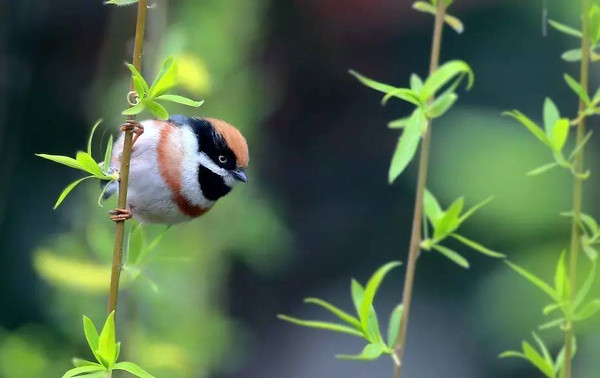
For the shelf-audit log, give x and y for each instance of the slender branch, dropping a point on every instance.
(117, 261)
(577, 184)
(415, 239)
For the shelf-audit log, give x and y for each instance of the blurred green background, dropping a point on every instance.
(317, 210)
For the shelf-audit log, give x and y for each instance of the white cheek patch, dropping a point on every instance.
(207, 163)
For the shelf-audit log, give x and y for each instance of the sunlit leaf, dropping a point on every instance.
(81, 370)
(441, 105)
(565, 29)
(560, 133)
(443, 75)
(588, 310)
(407, 145)
(68, 190)
(370, 352)
(166, 78)
(132, 368)
(371, 289)
(454, 23)
(537, 360)
(530, 125)
(156, 109)
(136, 109)
(180, 100)
(449, 221)
(399, 123)
(394, 325)
(106, 341)
(89, 164)
(478, 247)
(64, 160)
(322, 325)
(344, 316)
(452, 255)
(381, 87)
(136, 73)
(78, 362)
(403, 94)
(433, 211)
(539, 283)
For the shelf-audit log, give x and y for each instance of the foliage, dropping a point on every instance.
(575, 55)
(429, 7)
(147, 96)
(446, 223)
(420, 94)
(106, 350)
(85, 162)
(365, 324)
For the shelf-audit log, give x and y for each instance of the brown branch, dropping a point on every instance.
(117, 261)
(415, 239)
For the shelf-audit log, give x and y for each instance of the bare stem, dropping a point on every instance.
(415, 239)
(117, 261)
(577, 185)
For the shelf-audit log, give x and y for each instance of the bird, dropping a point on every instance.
(179, 168)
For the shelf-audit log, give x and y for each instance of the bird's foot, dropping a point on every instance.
(120, 215)
(133, 126)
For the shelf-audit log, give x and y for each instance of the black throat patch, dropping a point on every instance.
(212, 144)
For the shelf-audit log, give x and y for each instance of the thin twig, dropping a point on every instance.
(415, 240)
(117, 261)
(577, 185)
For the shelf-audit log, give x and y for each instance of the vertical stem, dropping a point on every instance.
(117, 260)
(415, 239)
(577, 185)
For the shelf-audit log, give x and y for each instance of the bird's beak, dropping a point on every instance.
(239, 174)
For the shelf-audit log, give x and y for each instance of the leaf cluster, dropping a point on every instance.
(148, 96)
(446, 223)
(85, 162)
(106, 351)
(553, 135)
(542, 359)
(430, 7)
(365, 324)
(420, 94)
(575, 55)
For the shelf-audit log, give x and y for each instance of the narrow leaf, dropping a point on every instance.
(565, 29)
(371, 289)
(157, 109)
(443, 75)
(585, 287)
(578, 89)
(344, 316)
(478, 247)
(588, 310)
(108, 155)
(542, 169)
(89, 164)
(82, 370)
(441, 105)
(454, 23)
(369, 353)
(136, 109)
(89, 145)
(455, 257)
(551, 116)
(64, 160)
(166, 78)
(68, 190)
(560, 133)
(433, 211)
(540, 284)
(399, 123)
(474, 209)
(530, 125)
(394, 325)
(407, 145)
(572, 55)
(381, 87)
(106, 341)
(91, 334)
(132, 368)
(537, 360)
(321, 325)
(180, 100)
(560, 276)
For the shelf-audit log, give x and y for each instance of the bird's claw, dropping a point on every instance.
(120, 215)
(133, 126)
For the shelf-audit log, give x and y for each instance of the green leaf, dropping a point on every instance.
(399, 123)
(454, 23)
(552, 307)
(64, 160)
(530, 125)
(120, 2)
(108, 155)
(441, 105)
(583, 292)
(106, 341)
(78, 362)
(371, 290)
(156, 109)
(580, 145)
(416, 83)
(136, 244)
(132, 368)
(565, 29)
(407, 145)
(551, 116)
(357, 294)
(512, 353)
(578, 89)
(588, 310)
(371, 333)
(321, 325)
(443, 75)
(560, 277)
(91, 334)
(449, 221)
(139, 86)
(544, 349)
(380, 87)
(394, 325)
(81, 370)
(594, 31)
(537, 360)
(478, 247)
(89, 164)
(133, 110)
(474, 209)
(68, 190)
(180, 100)
(455, 257)
(560, 133)
(136, 73)
(552, 323)
(590, 252)
(422, 6)
(403, 94)
(540, 284)
(572, 55)
(166, 78)
(542, 169)
(89, 145)
(433, 211)
(344, 316)
(369, 353)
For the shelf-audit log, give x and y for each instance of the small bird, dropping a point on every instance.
(179, 168)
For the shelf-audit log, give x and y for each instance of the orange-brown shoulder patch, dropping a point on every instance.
(170, 164)
(235, 140)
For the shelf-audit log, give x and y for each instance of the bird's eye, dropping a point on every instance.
(222, 159)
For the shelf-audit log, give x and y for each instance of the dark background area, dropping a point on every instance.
(318, 210)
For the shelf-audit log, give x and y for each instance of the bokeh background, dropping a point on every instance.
(317, 210)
